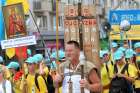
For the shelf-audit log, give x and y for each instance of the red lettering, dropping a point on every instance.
(66, 22)
(75, 22)
(70, 23)
(90, 22)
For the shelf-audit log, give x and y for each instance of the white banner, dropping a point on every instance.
(18, 42)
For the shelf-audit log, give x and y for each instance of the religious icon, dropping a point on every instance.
(14, 20)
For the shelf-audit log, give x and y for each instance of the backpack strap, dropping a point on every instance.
(36, 81)
(112, 63)
(115, 68)
(106, 66)
(107, 69)
(45, 80)
(26, 75)
(125, 68)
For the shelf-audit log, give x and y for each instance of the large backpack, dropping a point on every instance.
(48, 82)
(120, 84)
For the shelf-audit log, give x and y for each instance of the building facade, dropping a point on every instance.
(44, 13)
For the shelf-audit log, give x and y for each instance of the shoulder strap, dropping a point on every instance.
(26, 75)
(107, 69)
(45, 80)
(112, 63)
(115, 68)
(36, 81)
(125, 68)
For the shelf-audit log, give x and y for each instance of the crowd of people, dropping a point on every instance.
(20, 78)
(34, 76)
(120, 62)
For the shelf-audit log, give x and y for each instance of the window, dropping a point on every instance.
(60, 21)
(36, 5)
(42, 21)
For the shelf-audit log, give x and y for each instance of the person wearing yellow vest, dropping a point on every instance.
(30, 79)
(129, 74)
(16, 78)
(42, 69)
(106, 70)
(137, 81)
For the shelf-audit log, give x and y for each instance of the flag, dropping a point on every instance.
(24, 2)
(2, 32)
(21, 52)
(26, 9)
(10, 52)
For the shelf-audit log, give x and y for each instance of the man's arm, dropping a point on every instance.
(93, 83)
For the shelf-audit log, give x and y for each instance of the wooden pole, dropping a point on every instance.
(57, 30)
(57, 36)
(96, 46)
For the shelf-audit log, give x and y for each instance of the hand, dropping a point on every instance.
(120, 75)
(57, 80)
(114, 75)
(84, 83)
(25, 82)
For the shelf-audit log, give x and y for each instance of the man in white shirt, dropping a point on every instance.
(69, 74)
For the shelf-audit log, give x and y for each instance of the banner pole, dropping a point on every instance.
(41, 37)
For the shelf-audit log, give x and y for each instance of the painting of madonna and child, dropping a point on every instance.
(14, 20)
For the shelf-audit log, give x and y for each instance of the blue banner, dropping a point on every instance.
(116, 16)
(2, 28)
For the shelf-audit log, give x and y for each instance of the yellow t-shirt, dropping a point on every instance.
(46, 71)
(42, 85)
(32, 87)
(137, 81)
(16, 86)
(132, 71)
(105, 76)
(17, 82)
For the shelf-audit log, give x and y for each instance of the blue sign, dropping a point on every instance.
(116, 16)
(2, 33)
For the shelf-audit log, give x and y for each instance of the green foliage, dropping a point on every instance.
(104, 44)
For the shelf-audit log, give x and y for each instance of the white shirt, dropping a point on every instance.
(75, 83)
(7, 86)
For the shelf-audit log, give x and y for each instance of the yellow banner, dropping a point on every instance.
(132, 34)
(24, 2)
